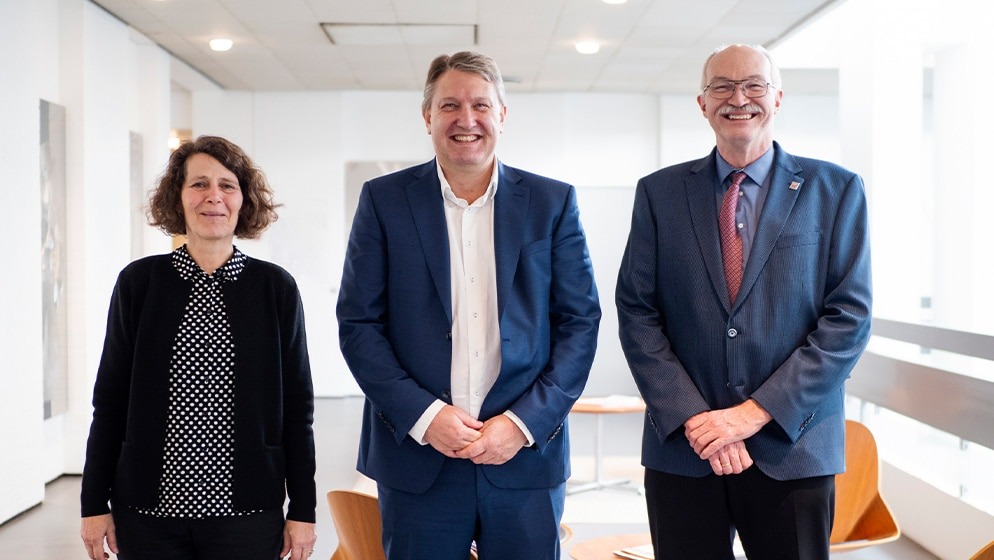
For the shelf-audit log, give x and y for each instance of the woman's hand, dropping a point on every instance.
(94, 530)
(298, 540)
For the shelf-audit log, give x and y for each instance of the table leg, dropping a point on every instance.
(599, 483)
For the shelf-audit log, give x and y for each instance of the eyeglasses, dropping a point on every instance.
(723, 89)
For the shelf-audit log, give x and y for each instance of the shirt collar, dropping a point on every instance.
(757, 171)
(189, 270)
(451, 197)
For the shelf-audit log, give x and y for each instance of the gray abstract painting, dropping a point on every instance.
(55, 319)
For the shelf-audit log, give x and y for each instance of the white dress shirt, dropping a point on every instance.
(476, 357)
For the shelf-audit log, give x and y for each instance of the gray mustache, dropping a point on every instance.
(751, 107)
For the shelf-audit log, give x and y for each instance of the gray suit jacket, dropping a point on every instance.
(798, 326)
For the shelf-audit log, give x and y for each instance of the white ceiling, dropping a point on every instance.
(648, 46)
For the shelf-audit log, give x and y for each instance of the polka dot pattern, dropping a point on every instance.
(200, 429)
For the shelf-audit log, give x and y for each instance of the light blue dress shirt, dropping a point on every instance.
(754, 189)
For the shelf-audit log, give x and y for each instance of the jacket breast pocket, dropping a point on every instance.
(801, 239)
(796, 262)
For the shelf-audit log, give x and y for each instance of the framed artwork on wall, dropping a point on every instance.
(55, 321)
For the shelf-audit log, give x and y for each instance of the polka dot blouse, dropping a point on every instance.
(200, 428)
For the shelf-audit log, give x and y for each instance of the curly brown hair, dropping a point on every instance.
(165, 208)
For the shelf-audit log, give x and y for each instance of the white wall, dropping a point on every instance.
(20, 330)
(110, 82)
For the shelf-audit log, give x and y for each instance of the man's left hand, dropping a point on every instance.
(500, 442)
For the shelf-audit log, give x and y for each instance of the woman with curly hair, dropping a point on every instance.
(203, 403)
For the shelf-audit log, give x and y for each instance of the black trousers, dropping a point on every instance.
(696, 518)
(258, 536)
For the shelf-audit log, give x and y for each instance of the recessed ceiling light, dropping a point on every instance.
(221, 45)
(588, 47)
(615, 1)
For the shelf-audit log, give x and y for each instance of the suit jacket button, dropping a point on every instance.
(732, 333)
(446, 395)
(448, 336)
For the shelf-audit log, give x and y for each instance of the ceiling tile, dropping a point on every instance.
(647, 45)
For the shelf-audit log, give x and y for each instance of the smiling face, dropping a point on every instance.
(742, 125)
(465, 118)
(211, 200)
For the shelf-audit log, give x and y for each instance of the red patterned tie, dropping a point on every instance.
(731, 242)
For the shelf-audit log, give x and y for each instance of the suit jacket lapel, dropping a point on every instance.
(700, 188)
(779, 203)
(424, 196)
(510, 209)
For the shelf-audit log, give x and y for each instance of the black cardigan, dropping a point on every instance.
(274, 397)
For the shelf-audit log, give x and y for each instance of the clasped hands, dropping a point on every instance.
(456, 434)
(718, 436)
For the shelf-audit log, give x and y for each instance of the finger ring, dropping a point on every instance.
(726, 464)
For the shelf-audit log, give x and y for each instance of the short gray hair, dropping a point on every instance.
(464, 61)
(774, 69)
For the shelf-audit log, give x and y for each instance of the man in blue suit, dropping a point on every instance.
(468, 315)
(743, 376)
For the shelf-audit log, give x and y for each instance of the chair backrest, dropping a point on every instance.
(986, 553)
(357, 522)
(861, 515)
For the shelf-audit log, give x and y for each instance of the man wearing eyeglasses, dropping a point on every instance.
(744, 302)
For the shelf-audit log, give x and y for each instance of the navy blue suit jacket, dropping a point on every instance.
(798, 326)
(395, 317)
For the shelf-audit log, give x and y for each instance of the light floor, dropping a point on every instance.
(50, 531)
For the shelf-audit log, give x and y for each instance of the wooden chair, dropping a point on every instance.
(862, 518)
(986, 553)
(357, 522)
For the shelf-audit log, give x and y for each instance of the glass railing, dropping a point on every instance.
(928, 395)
